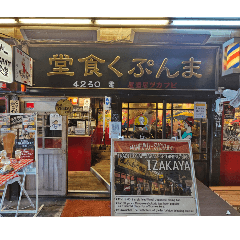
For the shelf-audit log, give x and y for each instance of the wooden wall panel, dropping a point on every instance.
(51, 176)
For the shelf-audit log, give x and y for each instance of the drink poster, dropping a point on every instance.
(153, 177)
(4, 122)
(29, 122)
(55, 121)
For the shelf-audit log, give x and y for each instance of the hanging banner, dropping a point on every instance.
(23, 67)
(5, 62)
(108, 101)
(152, 177)
(55, 121)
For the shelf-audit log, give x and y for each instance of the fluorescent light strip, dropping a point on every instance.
(7, 20)
(205, 23)
(54, 21)
(131, 22)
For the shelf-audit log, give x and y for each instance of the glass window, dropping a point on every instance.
(124, 105)
(53, 142)
(231, 128)
(180, 123)
(142, 105)
(183, 106)
(48, 138)
(168, 105)
(142, 122)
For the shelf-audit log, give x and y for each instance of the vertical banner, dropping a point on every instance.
(108, 103)
(23, 67)
(55, 121)
(14, 106)
(152, 177)
(5, 62)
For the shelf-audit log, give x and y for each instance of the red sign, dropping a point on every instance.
(152, 146)
(29, 105)
(27, 154)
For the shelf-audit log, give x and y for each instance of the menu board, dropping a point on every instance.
(152, 177)
(22, 127)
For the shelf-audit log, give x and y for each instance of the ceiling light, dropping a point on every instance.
(205, 22)
(131, 22)
(54, 21)
(7, 20)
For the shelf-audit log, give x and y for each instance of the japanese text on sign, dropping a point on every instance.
(91, 67)
(152, 177)
(5, 62)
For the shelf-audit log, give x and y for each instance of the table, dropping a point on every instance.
(12, 177)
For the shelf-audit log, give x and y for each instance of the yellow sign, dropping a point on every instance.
(60, 65)
(64, 107)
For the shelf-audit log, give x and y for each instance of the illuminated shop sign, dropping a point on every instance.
(125, 67)
(231, 57)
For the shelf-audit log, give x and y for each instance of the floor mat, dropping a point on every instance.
(78, 208)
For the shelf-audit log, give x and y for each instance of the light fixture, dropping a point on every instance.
(54, 21)
(130, 22)
(7, 20)
(205, 22)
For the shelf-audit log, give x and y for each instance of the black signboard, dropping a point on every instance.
(124, 67)
(25, 143)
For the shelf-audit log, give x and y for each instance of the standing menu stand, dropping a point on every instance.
(24, 126)
(153, 177)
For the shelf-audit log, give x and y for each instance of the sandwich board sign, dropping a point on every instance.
(153, 177)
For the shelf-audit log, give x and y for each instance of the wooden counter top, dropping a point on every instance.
(78, 136)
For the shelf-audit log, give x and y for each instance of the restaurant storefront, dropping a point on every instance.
(154, 93)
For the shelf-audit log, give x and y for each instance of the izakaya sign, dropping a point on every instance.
(5, 62)
(153, 177)
(113, 66)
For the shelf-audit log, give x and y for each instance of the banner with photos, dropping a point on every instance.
(153, 177)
